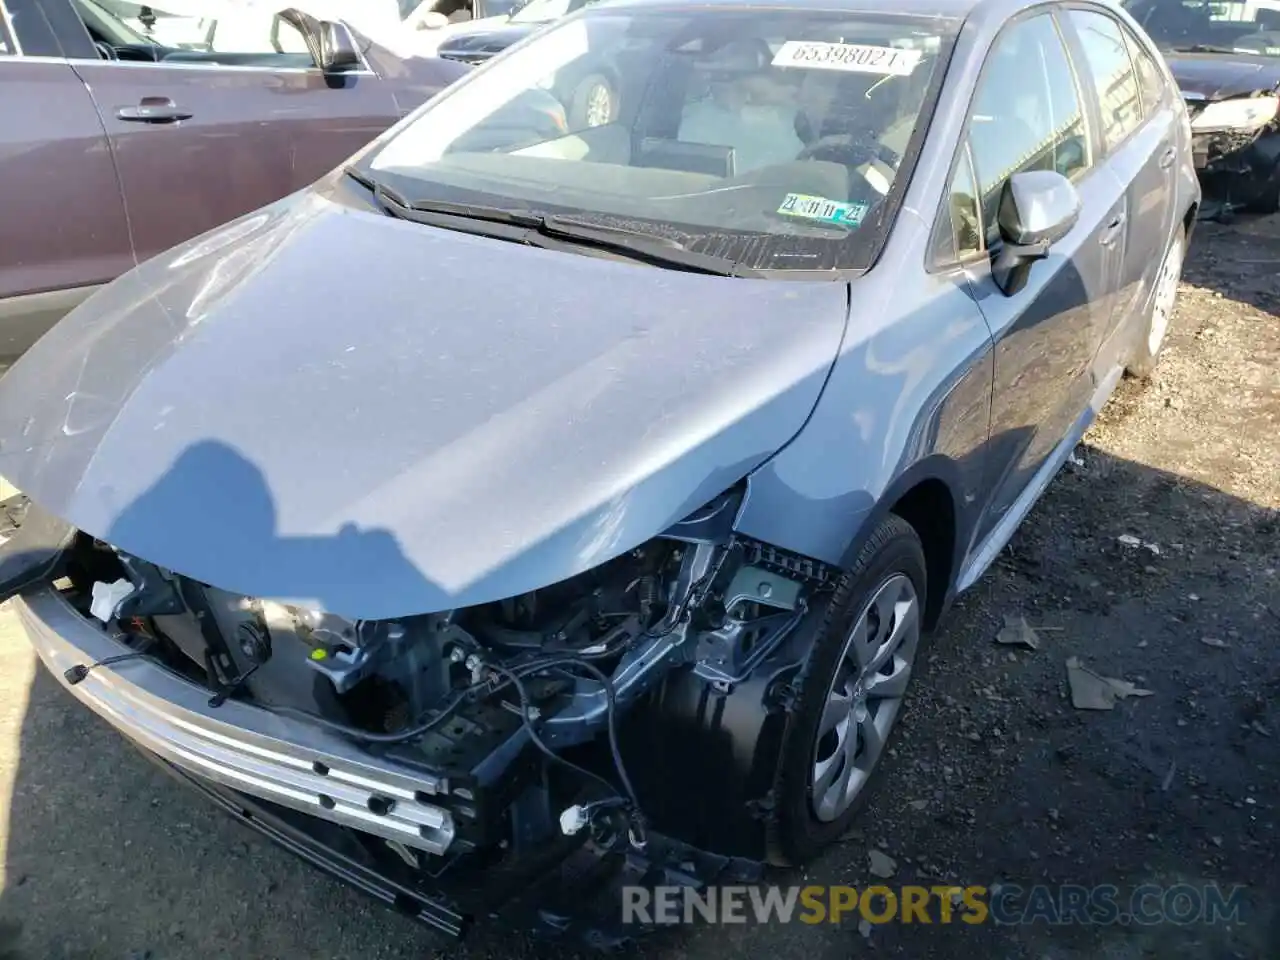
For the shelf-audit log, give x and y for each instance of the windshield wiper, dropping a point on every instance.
(631, 243)
(1206, 48)
(641, 245)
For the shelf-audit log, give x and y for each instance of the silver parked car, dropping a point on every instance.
(523, 484)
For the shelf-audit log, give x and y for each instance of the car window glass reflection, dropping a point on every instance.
(774, 122)
(1149, 76)
(1027, 113)
(1113, 76)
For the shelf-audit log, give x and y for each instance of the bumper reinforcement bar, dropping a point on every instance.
(249, 749)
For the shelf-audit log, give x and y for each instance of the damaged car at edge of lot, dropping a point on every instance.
(490, 597)
(1226, 60)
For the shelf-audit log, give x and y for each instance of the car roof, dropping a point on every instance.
(942, 9)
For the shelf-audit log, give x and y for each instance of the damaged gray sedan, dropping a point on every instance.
(1225, 58)
(525, 511)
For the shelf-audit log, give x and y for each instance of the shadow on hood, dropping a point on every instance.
(221, 501)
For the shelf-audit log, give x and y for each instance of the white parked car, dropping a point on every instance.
(432, 22)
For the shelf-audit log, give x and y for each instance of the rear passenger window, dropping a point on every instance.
(1150, 78)
(1026, 114)
(1113, 77)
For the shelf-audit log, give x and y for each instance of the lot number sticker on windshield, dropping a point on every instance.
(820, 208)
(853, 57)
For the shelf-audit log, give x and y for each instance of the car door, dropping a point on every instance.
(202, 136)
(63, 230)
(1029, 113)
(1139, 133)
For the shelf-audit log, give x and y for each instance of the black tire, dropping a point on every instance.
(1267, 200)
(581, 104)
(798, 835)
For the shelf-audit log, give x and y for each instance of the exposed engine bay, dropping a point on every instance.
(514, 708)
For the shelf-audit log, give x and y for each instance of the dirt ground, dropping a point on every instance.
(995, 777)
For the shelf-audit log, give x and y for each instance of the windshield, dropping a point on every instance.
(778, 138)
(1211, 25)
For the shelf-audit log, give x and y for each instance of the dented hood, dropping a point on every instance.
(322, 404)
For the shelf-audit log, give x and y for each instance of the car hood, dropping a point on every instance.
(321, 404)
(488, 42)
(1217, 76)
(426, 42)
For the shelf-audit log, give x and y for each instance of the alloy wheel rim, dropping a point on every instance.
(599, 105)
(865, 696)
(1165, 298)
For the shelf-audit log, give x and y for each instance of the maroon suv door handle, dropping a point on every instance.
(153, 110)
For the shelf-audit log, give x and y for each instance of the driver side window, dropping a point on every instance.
(1026, 113)
(194, 31)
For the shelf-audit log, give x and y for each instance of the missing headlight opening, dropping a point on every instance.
(515, 713)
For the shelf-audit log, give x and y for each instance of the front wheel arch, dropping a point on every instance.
(927, 496)
(796, 832)
(709, 765)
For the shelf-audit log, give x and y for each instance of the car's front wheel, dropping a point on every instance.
(851, 693)
(1163, 300)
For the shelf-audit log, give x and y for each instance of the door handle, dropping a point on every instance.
(153, 110)
(1112, 230)
(1167, 158)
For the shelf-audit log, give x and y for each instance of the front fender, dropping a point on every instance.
(909, 400)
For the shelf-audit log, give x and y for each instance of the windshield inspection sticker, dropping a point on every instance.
(820, 208)
(853, 57)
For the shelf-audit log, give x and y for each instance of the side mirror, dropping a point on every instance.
(337, 48)
(328, 41)
(1037, 209)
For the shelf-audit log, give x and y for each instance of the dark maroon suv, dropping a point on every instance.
(117, 142)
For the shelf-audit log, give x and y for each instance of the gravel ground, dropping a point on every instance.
(995, 777)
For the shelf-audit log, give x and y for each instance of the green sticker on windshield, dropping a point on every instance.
(820, 208)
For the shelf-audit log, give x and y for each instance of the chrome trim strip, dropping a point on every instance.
(247, 748)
